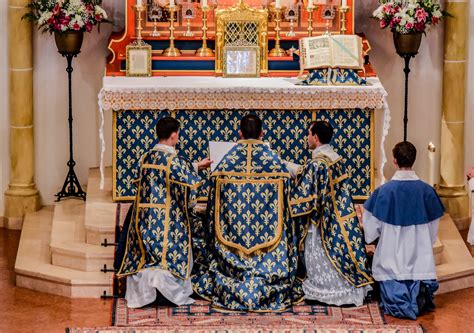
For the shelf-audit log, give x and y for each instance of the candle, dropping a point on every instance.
(344, 4)
(139, 2)
(204, 3)
(310, 4)
(171, 3)
(277, 3)
(432, 155)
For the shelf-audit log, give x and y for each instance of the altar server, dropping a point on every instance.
(158, 256)
(334, 251)
(404, 215)
(251, 258)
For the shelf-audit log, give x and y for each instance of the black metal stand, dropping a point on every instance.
(71, 187)
(407, 57)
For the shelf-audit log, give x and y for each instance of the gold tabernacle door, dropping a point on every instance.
(241, 25)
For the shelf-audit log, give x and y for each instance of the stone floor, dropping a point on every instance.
(23, 310)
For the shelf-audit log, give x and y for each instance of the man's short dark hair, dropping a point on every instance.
(165, 127)
(251, 126)
(323, 130)
(405, 154)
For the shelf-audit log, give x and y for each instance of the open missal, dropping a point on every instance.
(336, 51)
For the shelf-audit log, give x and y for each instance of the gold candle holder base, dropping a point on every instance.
(277, 51)
(204, 50)
(172, 51)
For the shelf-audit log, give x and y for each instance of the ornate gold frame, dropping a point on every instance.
(242, 13)
(138, 47)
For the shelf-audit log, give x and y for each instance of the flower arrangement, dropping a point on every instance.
(66, 15)
(408, 16)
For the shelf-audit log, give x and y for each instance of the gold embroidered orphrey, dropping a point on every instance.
(241, 25)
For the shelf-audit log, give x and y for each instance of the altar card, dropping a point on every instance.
(217, 151)
(341, 51)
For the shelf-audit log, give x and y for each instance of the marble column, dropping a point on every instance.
(21, 196)
(451, 187)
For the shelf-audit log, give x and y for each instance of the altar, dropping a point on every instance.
(210, 108)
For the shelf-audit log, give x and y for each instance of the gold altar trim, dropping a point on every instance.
(279, 229)
(187, 185)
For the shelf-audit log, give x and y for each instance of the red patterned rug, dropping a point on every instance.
(201, 317)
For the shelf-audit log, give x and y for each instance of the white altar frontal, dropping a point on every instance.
(210, 108)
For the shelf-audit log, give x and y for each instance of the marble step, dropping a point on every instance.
(100, 209)
(35, 271)
(456, 268)
(68, 240)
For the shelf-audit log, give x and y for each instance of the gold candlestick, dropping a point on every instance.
(310, 20)
(277, 51)
(343, 11)
(171, 51)
(204, 51)
(139, 9)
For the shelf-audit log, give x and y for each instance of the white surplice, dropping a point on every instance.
(323, 282)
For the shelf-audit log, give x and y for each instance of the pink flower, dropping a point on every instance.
(387, 9)
(434, 20)
(89, 26)
(76, 26)
(98, 17)
(420, 26)
(421, 15)
(394, 22)
(383, 24)
(56, 9)
(409, 25)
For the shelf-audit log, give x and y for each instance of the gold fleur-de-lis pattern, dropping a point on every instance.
(321, 196)
(285, 130)
(249, 255)
(160, 231)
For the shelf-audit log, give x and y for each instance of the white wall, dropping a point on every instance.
(50, 83)
(425, 86)
(4, 118)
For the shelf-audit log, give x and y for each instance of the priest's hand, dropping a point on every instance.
(204, 164)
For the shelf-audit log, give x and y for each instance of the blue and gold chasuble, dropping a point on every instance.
(246, 256)
(321, 196)
(159, 235)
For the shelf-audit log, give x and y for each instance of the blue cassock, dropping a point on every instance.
(321, 196)
(246, 256)
(405, 214)
(159, 235)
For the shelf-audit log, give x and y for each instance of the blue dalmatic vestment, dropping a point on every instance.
(247, 254)
(159, 235)
(321, 196)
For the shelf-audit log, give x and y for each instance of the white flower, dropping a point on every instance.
(100, 11)
(44, 18)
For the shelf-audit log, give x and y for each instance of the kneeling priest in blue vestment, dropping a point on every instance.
(403, 215)
(334, 249)
(157, 259)
(251, 255)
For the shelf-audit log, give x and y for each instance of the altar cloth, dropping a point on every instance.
(204, 93)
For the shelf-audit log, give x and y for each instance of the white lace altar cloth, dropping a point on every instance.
(204, 93)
